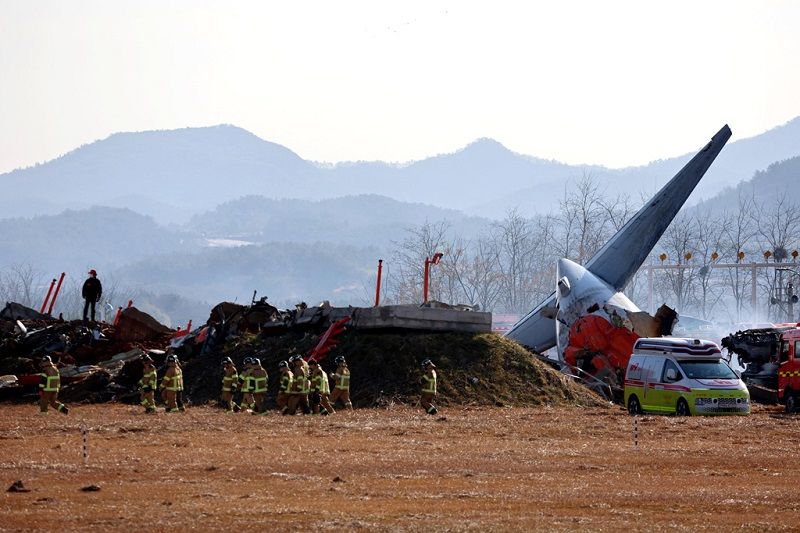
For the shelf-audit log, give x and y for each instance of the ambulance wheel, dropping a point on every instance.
(634, 407)
(791, 401)
(683, 408)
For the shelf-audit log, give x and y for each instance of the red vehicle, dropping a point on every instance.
(771, 361)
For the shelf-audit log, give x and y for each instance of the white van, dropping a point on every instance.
(683, 377)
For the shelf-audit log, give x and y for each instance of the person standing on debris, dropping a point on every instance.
(320, 389)
(285, 390)
(246, 385)
(148, 385)
(230, 378)
(300, 386)
(428, 387)
(341, 377)
(91, 292)
(172, 384)
(259, 382)
(49, 385)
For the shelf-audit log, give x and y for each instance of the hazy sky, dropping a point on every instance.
(608, 82)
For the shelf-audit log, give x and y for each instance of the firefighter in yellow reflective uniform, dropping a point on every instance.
(301, 386)
(49, 385)
(259, 381)
(148, 385)
(285, 389)
(341, 380)
(428, 387)
(320, 390)
(230, 379)
(246, 385)
(172, 384)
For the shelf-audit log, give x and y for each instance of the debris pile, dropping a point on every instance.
(102, 362)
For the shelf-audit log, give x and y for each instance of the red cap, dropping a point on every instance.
(93, 272)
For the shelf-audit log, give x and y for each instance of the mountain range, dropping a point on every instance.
(189, 217)
(173, 175)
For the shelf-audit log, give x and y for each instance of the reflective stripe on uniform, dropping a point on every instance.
(149, 379)
(259, 384)
(175, 383)
(430, 384)
(52, 383)
(343, 381)
(286, 382)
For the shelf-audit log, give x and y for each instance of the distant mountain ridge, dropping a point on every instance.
(173, 174)
(361, 220)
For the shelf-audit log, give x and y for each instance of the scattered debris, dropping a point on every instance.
(337, 479)
(90, 488)
(17, 486)
(102, 362)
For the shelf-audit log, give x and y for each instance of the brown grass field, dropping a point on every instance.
(469, 468)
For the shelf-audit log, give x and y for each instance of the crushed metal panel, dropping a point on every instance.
(15, 311)
(136, 325)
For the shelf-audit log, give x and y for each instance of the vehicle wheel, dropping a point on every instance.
(683, 408)
(791, 401)
(634, 407)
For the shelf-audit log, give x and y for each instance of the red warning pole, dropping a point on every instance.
(47, 298)
(425, 281)
(378, 288)
(55, 294)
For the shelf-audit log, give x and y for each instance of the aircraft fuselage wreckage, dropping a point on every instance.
(593, 324)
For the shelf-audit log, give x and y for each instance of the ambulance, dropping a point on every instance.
(683, 377)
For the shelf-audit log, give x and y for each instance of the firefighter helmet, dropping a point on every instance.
(340, 360)
(283, 364)
(427, 362)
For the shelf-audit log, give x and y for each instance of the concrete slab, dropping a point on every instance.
(413, 317)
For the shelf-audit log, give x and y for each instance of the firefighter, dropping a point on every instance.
(285, 390)
(320, 389)
(49, 384)
(148, 385)
(179, 392)
(300, 386)
(230, 378)
(172, 384)
(258, 378)
(428, 387)
(341, 377)
(246, 385)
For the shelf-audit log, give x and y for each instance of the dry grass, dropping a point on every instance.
(471, 468)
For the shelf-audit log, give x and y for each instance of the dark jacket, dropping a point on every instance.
(92, 289)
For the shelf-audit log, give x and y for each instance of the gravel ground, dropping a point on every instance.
(469, 468)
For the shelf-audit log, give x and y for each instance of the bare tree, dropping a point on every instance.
(711, 230)
(408, 260)
(737, 237)
(677, 285)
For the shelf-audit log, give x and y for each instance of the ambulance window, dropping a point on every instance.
(784, 351)
(635, 369)
(654, 369)
(796, 348)
(673, 366)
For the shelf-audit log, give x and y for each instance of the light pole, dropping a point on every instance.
(428, 262)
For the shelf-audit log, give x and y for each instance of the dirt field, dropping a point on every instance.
(396, 469)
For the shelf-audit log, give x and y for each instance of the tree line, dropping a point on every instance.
(510, 266)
